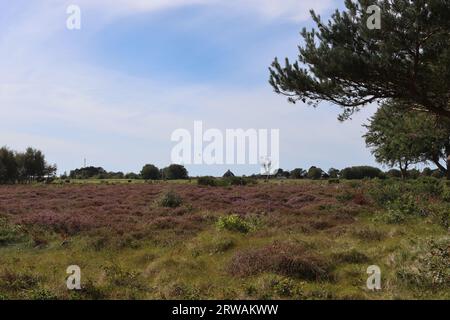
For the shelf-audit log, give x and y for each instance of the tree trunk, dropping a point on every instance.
(447, 151)
(448, 168)
(403, 170)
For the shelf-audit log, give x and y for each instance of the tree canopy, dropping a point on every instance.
(174, 172)
(24, 167)
(403, 138)
(348, 64)
(150, 172)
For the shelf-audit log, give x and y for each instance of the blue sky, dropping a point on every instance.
(137, 70)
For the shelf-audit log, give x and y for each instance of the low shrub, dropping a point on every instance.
(170, 199)
(207, 181)
(234, 223)
(240, 181)
(440, 213)
(429, 186)
(269, 286)
(226, 181)
(431, 269)
(285, 259)
(10, 234)
(42, 294)
(119, 277)
(345, 196)
(446, 194)
(352, 256)
(401, 209)
(384, 192)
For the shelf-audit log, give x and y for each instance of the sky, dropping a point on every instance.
(115, 90)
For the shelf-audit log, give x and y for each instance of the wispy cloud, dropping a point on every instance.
(295, 10)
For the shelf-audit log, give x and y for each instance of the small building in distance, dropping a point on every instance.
(228, 174)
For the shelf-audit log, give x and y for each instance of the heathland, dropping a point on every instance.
(282, 239)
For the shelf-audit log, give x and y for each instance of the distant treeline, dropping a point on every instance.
(178, 172)
(353, 173)
(30, 166)
(24, 167)
(148, 172)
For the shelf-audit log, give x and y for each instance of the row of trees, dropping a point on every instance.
(24, 167)
(172, 172)
(352, 173)
(404, 67)
(148, 172)
(97, 173)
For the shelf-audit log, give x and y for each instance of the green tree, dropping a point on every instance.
(132, 176)
(400, 138)
(389, 137)
(32, 165)
(348, 64)
(8, 166)
(175, 172)
(333, 173)
(315, 173)
(150, 172)
(361, 172)
(298, 173)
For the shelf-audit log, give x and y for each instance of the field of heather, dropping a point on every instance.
(276, 240)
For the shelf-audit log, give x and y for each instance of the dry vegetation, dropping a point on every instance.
(290, 240)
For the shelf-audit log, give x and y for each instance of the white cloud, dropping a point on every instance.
(295, 10)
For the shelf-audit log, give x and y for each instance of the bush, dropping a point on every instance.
(401, 209)
(441, 214)
(345, 196)
(240, 181)
(10, 234)
(207, 181)
(446, 194)
(170, 199)
(234, 223)
(361, 172)
(42, 294)
(429, 185)
(269, 286)
(385, 192)
(229, 181)
(431, 268)
(285, 259)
